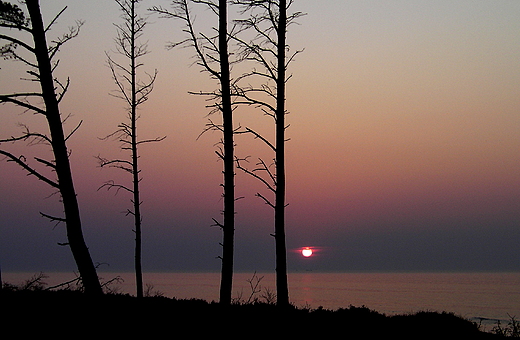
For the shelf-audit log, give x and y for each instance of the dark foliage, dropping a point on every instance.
(12, 16)
(34, 313)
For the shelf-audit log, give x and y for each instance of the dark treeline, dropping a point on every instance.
(255, 42)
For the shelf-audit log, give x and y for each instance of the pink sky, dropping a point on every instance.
(404, 127)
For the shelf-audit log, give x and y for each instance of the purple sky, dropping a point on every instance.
(404, 150)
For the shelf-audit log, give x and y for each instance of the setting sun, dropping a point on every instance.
(307, 252)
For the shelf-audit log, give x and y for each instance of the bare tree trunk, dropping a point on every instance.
(135, 157)
(282, 289)
(268, 49)
(213, 56)
(226, 284)
(76, 240)
(134, 93)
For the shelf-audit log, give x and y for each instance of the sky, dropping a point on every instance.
(403, 152)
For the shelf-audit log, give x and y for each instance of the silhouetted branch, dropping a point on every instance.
(57, 43)
(74, 130)
(180, 10)
(76, 280)
(268, 202)
(21, 161)
(112, 185)
(63, 87)
(53, 218)
(217, 224)
(116, 163)
(34, 138)
(254, 173)
(55, 19)
(12, 98)
(16, 41)
(258, 136)
(45, 162)
(35, 282)
(157, 139)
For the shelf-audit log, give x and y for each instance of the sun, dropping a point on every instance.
(307, 252)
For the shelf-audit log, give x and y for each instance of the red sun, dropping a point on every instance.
(307, 252)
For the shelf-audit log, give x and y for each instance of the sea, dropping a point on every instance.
(485, 298)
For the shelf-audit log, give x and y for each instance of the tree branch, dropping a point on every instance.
(31, 171)
(11, 98)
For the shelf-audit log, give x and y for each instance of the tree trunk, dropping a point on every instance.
(229, 171)
(282, 290)
(135, 157)
(63, 171)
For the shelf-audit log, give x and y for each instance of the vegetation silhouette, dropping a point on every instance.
(125, 315)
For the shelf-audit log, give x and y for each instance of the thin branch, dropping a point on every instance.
(21, 161)
(17, 42)
(11, 98)
(55, 19)
(255, 174)
(153, 140)
(111, 185)
(217, 224)
(74, 130)
(258, 136)
(53, 218)
(265, 200)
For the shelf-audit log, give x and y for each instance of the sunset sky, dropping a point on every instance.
(403, 153)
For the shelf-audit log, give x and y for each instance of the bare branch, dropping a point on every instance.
(217, 224)
(255, 174)
(57, 43)
(12, 98)
(153, 140)
(17, 42)
(53, 218)
(74, 130)
(33, 137)
(258, 136)
(116, 163)
(64, 88)
(265, 200)
(55, 19)
(21, 162)
(182, 12)
(111, 185)
(46, 163)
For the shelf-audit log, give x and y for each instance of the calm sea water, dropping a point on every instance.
(492, 296)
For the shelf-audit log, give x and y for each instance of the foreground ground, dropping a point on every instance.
(70, 314)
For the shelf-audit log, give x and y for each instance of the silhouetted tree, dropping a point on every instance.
(40, 59)
(213, 56)
(268, 19)
(134, 92)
